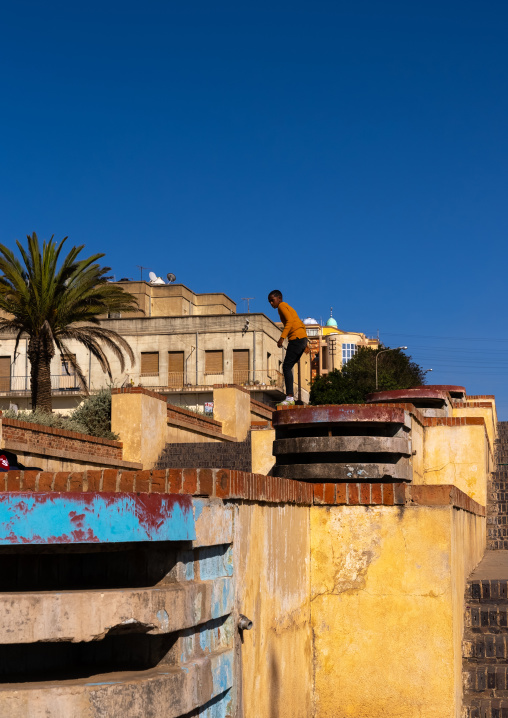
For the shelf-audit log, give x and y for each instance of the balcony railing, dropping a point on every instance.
(19, 385)
(253, 380)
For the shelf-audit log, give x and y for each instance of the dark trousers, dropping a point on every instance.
(295, 349)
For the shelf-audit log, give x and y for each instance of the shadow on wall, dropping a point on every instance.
(274, 686)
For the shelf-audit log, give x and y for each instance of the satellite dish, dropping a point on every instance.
(152, 276)
(171, 277)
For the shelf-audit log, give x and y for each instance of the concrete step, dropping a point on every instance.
(486, 617)
(485, 648)
(492, 680)
(493, 708)
(162, 691)
(91, 615)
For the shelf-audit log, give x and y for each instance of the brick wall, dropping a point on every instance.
(231, 455)
(37, 437)
(238, 485)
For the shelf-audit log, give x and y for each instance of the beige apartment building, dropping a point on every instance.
(332, 347)
(184, 343)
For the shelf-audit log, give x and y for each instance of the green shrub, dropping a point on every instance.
(95, 414)
(93, 417)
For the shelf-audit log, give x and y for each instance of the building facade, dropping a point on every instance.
(183, 343)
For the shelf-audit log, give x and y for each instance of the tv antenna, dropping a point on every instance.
(171, 277)
(141, 270)
(247, 299)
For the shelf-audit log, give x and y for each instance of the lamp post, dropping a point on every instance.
(382, 352)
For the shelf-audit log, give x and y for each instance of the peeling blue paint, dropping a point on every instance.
(52, 518)
(222, 672)
(222, 598)
(215, 562)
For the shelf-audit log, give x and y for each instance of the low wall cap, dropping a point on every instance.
(418, 392)
(338, 413)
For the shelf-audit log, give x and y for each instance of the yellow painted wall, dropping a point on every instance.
(387, 612)
(272, 567)
(262, 451)
(141, 423)
(231, 406)
(488, 415)
(457, 455)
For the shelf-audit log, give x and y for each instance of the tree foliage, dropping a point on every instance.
(52, 301)
(92, 417)
(396, 370)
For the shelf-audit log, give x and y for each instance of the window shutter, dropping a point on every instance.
(175, 361)
(5, 373)
(214, 362)
(175, 369)
(149, 362)
(240, 365)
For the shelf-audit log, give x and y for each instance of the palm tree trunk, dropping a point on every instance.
(40, 354)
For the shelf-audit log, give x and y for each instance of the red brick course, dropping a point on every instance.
(229, 484)
(37, 436)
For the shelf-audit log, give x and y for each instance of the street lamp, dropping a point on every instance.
(382, 352)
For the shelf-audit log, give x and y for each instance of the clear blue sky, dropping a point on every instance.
(351, 154)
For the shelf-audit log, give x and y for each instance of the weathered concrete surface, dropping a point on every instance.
(272, 570)
(231, 406)
(91, 615)
(163, 692)
(344, 472)
(263, 458)
(140, 421)
(339, 414)
(213, 522)
(387, 591)
(458, 455)
(354, 444)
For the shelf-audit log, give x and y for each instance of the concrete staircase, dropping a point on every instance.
(485, 644)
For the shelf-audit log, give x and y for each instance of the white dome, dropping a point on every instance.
(310, 320)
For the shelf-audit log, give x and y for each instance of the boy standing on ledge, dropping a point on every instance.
(294, 330)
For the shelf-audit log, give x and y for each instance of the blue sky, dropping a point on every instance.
(353, 155)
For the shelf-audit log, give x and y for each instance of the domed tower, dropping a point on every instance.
(331, 322)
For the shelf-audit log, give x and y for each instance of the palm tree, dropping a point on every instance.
(53, 304)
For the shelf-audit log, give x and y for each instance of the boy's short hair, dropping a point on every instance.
(275, 293)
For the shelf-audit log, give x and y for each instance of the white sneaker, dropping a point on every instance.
(287, 402)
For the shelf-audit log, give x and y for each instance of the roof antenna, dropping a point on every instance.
(247, 299)
(141, 270)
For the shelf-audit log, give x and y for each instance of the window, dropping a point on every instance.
(149, 363)
(313, 332)
(347, 352)
(268, 363)
(175, 369)
(240, 366)
(5, 373)
(67, 378)
(214, 362)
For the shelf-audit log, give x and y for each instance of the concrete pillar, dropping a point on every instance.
(139, 417)
(231, 406)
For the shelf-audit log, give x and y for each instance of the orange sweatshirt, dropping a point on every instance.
(294, 328)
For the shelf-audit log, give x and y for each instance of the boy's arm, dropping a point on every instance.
(285, 318)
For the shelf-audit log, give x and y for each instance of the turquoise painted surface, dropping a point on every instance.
(51, 518)
(215, 561)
